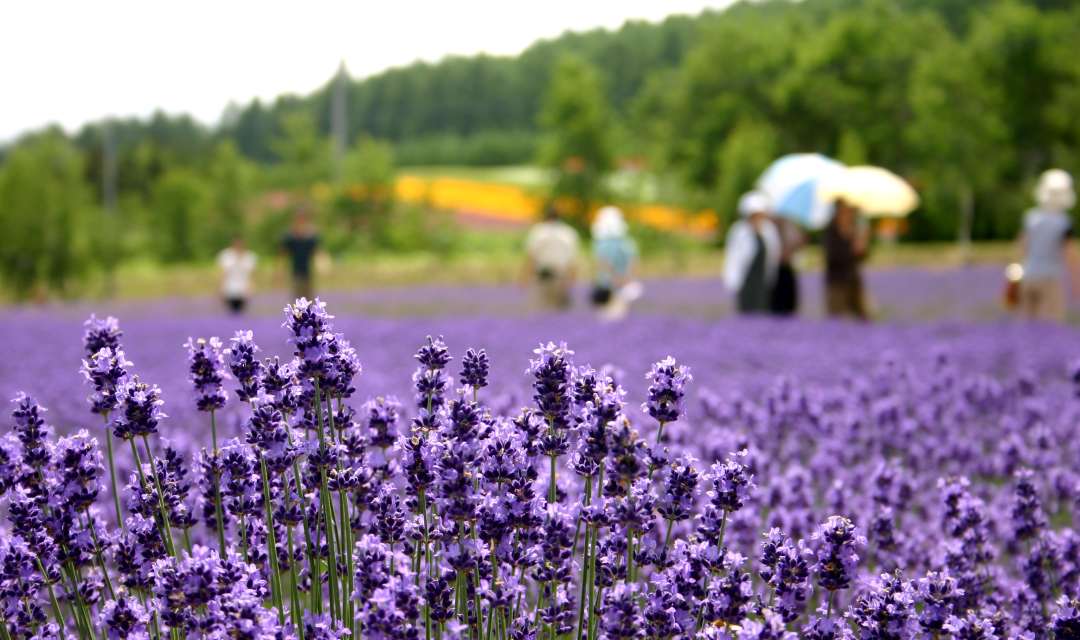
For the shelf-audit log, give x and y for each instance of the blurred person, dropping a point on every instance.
(784, 300)
(752, 250)
(551, 259)
(1045, 239)
(237, 263)
(300, 246)
(615, 254)
(847, 241)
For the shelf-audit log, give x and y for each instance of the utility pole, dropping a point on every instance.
(108, 197)
(339, 125)
(967, 217)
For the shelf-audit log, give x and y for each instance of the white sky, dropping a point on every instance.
(74, 62)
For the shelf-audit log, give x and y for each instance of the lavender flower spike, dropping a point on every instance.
(207, 367)
(101, 333)
(105, 370)
(667, 388)
(244, 364)
(837, 554)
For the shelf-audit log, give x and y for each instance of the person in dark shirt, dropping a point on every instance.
(300, 245)
(846, 242)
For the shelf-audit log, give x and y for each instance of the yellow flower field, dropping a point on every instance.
(515, 204)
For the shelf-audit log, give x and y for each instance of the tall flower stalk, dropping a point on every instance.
(207, 374)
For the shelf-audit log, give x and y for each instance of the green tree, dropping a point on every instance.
(959, 137)
(1011, 47)
(576, 121)
(304, 155)
(367, 194)
(230, 176)
(47, 215)
(180, 214)
(748, 150)
(726, 81)
(853, 80)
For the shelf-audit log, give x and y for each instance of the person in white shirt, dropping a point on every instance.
(237, 263)
(551, 259)
(752, 254)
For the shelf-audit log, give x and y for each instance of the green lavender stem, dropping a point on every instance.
(217, 487)
(167, 534)
(553, 487)
(328, 512)
(97, 554)
(52, 599)
(585, 557)
(112, 473)
(345, 527)
(271, 544)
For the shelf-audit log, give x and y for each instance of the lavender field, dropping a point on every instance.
(915, 478)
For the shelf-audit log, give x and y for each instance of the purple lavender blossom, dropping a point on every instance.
(101, 333)
(344, 365)
(20, 583)
(769, 627)
(140, 409)
(730, 593)
(244, 364)
(731, 486)
(826, 627)
(32, 432)
(392, 610)
(886, 610)
(323, 627)
(124, 619)
(207, 368)
(838, 544)
(620, 617)
(786, 569)
(1027, 515)
(430, 380)
(382, 417)
(676, 503)
(311, 334)
(105, 370)
(940, 596)
(667, 388)
(79, 465)
(269, 433)
(1066, 620)
(474, 368)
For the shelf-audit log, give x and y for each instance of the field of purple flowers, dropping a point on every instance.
(323, 477)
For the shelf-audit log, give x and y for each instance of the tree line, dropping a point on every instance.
(969, 99)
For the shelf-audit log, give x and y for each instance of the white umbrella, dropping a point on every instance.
(875, 191)
(792, 183)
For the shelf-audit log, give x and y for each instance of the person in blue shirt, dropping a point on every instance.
(615, 255)
(1046, 241)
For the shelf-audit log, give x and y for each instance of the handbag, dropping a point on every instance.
(1014, 278)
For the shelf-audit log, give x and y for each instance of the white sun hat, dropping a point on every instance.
(754, 202)
(1055, 191)
(609, 223)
